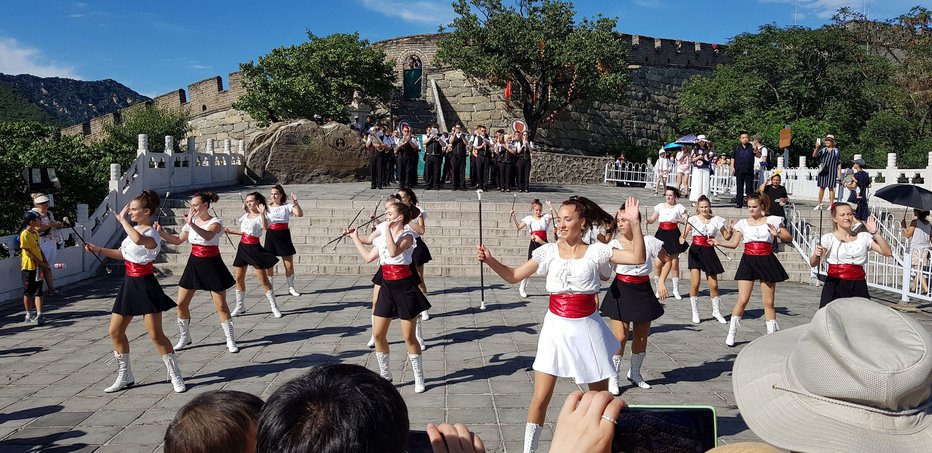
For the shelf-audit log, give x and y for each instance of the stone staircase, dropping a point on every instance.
(418, 113)
(452, 234)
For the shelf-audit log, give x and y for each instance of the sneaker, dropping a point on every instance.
(29, 318)
(817, 207)
(39, 319)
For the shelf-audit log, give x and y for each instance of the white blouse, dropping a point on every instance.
(572, 276)
(542, 224)
(652, 247)
(403, 258)
(252, 227)
(139, 254)
(669, 213)
(759, 233)
(852, 252)
(196, 239)
(279, 214)
(710, 229)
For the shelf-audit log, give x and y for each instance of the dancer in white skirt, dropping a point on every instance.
(399, 295)
(574, 341)
(140, 294)
(538, 225)
(278, 237)
(702, 256)
(631, 301)
(205, 269)
(670, 214)
(251, 253)
(757, 263)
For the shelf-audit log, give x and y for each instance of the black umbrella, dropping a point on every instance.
(906, 195)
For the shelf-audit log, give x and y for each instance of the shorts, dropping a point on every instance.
(921, 256)
(32, 287)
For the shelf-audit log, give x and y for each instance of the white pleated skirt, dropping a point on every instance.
(578, 348)
(699, 184)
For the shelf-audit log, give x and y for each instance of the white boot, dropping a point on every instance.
(228, 332)
(634, 373)
(656, 286)
(185, 338)
(676, 288)
(240, 308)
(272, 282)
(425, 315)
(693, 301)
(291, 289)
(717, 310)
(772, 326)
(417, 366)
(522, 289)
(124, 374)
(174, 373)
(418, 335)
(371, 343)
(384, 371)
(732, 330)
(270, 295)
(531, 437)
(613, 380)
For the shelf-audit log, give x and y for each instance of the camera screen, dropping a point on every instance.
(672, 429)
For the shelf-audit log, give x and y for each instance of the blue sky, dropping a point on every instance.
(157, 46)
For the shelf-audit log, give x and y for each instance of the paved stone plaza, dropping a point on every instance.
(477, 362)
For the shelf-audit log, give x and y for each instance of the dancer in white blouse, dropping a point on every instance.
(574, 341)
(140, 294)
(846, 254)
(538, 225)
(757, 263)
(205, 269)
(251, 253)
(278, 237)
(702, 256)
(670, 214)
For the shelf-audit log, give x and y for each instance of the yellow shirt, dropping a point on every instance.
(29, 241)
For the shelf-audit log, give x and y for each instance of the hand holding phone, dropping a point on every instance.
(586, 422)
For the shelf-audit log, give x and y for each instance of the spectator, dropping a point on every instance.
(700, 182)
(620, 164)
(918, 232)
(32, 260)
(776, 193)
(218, 420)
(856, 378)
(662, 171)
(742, 166)
(829, 169)
(49, 236)
(761, 160)
(682, 160)
(858, 187)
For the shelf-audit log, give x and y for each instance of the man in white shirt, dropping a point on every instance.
(761, 160)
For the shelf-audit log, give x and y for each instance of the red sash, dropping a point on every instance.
(573, 305)
(395, 271)
(846, 271)
(248, 239)
(633, 279)
(668, 225)
(138, 270)
(702, 241)
(205, 251)
(758, 248)
(278, 226)
(541, 234)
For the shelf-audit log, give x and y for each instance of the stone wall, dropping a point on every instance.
(558, 168)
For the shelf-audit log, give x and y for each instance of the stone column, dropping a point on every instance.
(929, 165)
(802, 161)
(891, 160)
(227, 146)
(169, 145)
(82, 213)
(143, 145)
(115, 172)
(192, 145)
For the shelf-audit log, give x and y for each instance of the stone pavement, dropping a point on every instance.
(477, 362)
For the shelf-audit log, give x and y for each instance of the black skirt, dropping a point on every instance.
(209, 274)
(278, 242)
(671, 241)
(254, 255)
(141, 296)
(530, 248)
(401, 299)
(705, 259)
(631, 302)
(766, 268)
(377, 279)
(836, 288)
(421, 254)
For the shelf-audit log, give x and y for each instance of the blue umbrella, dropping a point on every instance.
(687, 140)
(672, 146)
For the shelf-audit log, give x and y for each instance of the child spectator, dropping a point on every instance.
(219, 420)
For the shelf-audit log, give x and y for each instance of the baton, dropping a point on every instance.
(716, 247)
(481, 267)
(66, 222)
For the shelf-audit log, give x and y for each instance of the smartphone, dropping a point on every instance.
(665, 428)
(418, 442)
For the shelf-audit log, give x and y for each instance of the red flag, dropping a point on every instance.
(508, 96)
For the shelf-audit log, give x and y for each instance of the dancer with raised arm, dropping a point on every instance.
(574, 341)
(251, 253)
(757, 263)
(702, 257)
(630, 301)
(399, 295)
(140, 293)
(538, 224)
(278, 237)
(846, 254)
(670, 214)
(205, 269)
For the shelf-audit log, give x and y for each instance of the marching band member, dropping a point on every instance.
(670, 214)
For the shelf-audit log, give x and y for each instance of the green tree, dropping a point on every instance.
(319, 77)
(122, 139)
(538, 46)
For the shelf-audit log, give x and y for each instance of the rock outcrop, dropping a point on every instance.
(304, 152)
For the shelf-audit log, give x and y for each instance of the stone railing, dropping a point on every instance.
(163, 171)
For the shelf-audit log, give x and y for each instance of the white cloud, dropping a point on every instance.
(16, 58)
(421, 12)
(825, 9)
(653, 4)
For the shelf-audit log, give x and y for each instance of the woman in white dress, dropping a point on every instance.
(538, 225)
(670, 214)
(701, 180)
(574, 341)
